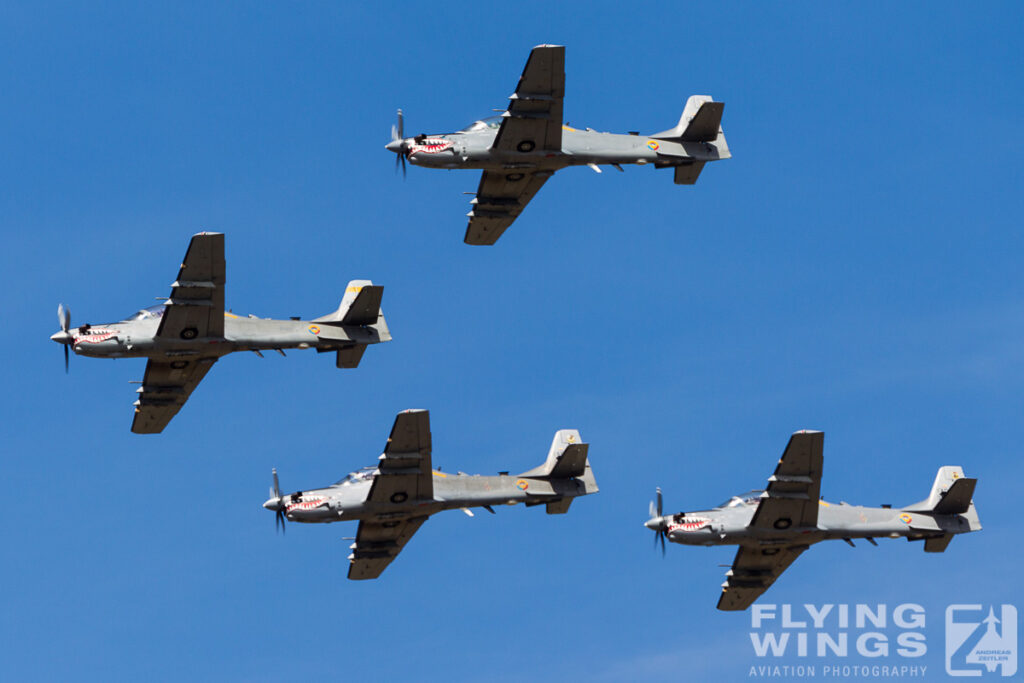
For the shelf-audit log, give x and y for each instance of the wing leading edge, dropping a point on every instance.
(791, 497)
(532, 124)
(500, 198)
(378, 544)
(790, 501)
(195, 309)
(405, 477)
(533, 120)
(753, 572)
(165, 388)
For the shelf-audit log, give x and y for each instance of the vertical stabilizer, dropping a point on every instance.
(567, 457)
(951, 493)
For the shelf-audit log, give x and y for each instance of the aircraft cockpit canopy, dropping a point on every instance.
(147, 313)
(748, 498)
(365, 474)
(483, 124)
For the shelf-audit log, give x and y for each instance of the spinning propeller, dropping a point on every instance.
(657, 523)
(64, 316)
(398, 144)
(277, 504)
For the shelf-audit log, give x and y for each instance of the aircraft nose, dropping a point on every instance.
(394, 146)
(61, 337)
(654, 523)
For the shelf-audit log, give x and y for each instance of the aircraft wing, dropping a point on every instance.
(533, 120)
(378, 543)
(404, 468)
(196, 307)
(500, 199)
(165, 388)
(791, 498)
(753, 572)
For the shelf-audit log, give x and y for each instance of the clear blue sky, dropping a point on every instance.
(855, 268)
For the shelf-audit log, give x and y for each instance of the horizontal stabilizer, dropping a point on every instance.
(937, 544)
(572, 462)
(365, 307)
(350, 357)
(687, 174)
(559, 507)
(957, 499)
(704, 125)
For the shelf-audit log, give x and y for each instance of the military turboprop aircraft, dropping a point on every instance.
(184, 336)
(520, 149)
(773, 526)
(394, 498)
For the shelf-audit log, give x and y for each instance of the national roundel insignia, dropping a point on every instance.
(653, 144)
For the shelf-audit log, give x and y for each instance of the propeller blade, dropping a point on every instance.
(401, 125)
(659, 501)
(64, 317)
(67, 355)
(277, 489)
(661, 535)
(402, 157)
(279, 518)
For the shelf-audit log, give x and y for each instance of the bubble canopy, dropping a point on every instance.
(748, 498)
(483, 124)
(151, 312)
(365, 474)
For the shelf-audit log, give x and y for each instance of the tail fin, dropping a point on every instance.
(359, 306)
(566, 459)
(699, 139)
(951, 493)
(566, 470)
(701, 121)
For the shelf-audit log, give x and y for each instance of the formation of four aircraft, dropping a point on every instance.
(518, 151)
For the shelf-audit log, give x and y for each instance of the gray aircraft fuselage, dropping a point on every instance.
(137, 338)
(347, 500)
(730, 524)
(472, 149)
